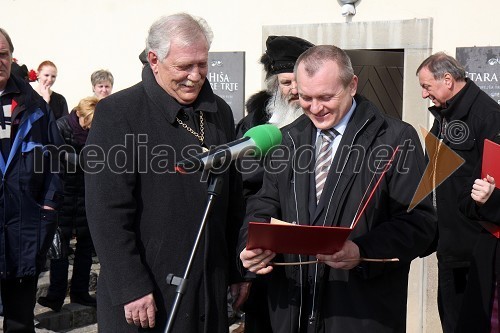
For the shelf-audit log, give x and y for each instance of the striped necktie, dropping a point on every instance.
(323, 160)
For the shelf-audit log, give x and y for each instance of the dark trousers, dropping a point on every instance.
(256, 308)
(451, 288)
(81, 267)
(18, 297)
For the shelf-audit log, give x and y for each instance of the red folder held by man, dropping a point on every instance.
(491, 161)
(282, 237)
(491, 166)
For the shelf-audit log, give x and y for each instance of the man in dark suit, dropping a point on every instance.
(143, 216)
(464, 116)
(331, 160)
(278, 105)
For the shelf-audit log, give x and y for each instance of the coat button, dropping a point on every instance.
(202, 318)
(183, 115)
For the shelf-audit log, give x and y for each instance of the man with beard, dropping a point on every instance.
(278, 105)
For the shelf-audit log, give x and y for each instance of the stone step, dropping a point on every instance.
(72, 317)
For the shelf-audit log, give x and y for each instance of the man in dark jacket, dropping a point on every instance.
(279, 105)
(464, 117)
(341, 292)
(143, 216)
(30, 191)
(480, 201)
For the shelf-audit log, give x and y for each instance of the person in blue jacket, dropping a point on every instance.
(30, 191)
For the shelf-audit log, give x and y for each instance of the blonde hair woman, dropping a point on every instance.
(74, 129)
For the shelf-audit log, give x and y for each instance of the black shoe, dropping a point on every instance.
(83, 299)
(51, 303)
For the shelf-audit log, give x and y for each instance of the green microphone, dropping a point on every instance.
(255, 142)
(264, 137)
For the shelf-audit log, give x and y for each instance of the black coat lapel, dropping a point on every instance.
(303, 162)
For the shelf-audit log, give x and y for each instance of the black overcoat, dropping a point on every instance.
(471, 116)
(144, 216)
(475, 313)
(371, 297)
(72, 214)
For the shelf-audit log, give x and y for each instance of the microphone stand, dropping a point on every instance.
(214, 189)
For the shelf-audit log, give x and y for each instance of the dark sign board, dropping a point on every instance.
(226, 74)
(482, 65)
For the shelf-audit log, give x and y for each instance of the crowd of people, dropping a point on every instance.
(171, 244)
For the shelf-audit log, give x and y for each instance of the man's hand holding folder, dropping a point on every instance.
(257, 261)
(490, 174)
(284, 237)
(329, 244)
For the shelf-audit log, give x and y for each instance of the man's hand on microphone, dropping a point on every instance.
(141, 312)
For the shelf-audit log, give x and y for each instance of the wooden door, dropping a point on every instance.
(380, 74)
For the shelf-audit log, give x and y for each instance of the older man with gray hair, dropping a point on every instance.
(144, 217)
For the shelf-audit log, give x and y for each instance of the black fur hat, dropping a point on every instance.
(282, 52)
(143, 57)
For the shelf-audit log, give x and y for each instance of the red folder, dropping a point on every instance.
(491, 161)
(491, 166)
(296, 239)
(491, 227)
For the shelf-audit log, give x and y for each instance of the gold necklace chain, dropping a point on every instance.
(200, 136)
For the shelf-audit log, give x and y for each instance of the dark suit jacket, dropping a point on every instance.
(472, 116)
(144, 217)
(370, 298)
(475, 314)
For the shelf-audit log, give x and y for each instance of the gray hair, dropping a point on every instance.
(100, 76)
(272, 83)
(9, 41)
(185, 28)
(315, 56)
(440, 63)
